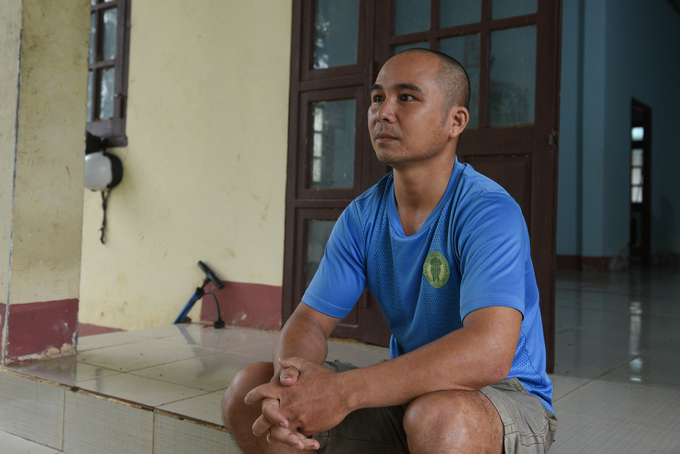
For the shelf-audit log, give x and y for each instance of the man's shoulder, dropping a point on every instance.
(475, 188)
(474, 184)
(373, 197)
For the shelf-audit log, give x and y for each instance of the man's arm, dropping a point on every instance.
(477, 355)
(305, 336)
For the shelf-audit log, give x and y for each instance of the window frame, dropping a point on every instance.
(113, 129)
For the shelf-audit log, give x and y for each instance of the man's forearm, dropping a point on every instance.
(305, 335)
(467, 359)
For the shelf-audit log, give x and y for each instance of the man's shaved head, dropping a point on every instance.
(452, 79)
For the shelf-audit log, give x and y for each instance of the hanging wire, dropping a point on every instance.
(105, 201)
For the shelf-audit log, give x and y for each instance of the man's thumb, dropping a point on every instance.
(293, 362)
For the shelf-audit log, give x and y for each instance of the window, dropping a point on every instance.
(107, 64)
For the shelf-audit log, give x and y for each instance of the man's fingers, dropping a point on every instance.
(261, 426)
(261, 392)
(288, 437)
(270, 410)
(288, 376)
(308, 443)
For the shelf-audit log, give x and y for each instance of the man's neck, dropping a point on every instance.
(418, 189)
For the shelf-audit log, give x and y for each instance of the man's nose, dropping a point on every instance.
(386, 111)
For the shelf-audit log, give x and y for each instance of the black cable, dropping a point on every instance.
(219, 323)
(105, 200)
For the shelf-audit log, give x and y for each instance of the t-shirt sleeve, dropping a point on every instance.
(493, 246)
(341, 277)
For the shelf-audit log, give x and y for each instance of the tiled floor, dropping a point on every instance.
(617, 373)
(616, 377)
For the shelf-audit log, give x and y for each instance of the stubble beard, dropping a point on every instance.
(399, 158)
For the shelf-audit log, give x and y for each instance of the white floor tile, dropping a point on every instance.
(142, 354)
(564, 384)
(31, 409)
(618, 403)
(174, 436)
(67, 371)
(206, 407)
(11, 444)
(579, 434)
(583, 361)
(140, 389)
(208, 373)
(99, 426)
(658, 367)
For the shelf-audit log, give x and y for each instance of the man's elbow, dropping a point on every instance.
(496, 368)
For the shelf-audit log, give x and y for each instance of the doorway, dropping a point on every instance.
(640, 183)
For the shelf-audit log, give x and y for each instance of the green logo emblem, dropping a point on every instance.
(436, 270)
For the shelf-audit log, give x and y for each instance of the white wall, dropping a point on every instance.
(644, 63)
(611, 53)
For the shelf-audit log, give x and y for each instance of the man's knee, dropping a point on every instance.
(234, 410)
(453, 421)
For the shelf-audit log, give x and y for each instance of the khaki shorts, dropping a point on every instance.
(528, 427)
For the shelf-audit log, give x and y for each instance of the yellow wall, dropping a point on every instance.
(205, 166)
(46, 214)
(10, 29)
(49, 174)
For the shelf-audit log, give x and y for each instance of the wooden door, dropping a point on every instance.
(511, 51)
(330, 161)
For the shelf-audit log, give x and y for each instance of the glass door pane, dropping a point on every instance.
(460, 12)
(335, 34)
(511, 8)
(411, 16)
(512, 76)
(465, 49)
(318, 232)
(332, 142)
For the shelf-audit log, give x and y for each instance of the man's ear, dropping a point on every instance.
(458, 119)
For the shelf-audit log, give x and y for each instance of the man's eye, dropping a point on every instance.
(405, 97)
(378, 98)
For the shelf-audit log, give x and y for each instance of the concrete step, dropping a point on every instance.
(151, 391)
(78, 421)
(11, 444)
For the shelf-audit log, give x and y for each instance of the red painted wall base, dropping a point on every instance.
(241, 304)
(40, 330)
(86, 329)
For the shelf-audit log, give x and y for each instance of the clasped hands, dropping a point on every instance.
(302, 399)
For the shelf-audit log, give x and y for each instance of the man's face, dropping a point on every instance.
(405, 118)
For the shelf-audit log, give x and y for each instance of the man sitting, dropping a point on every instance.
(445, 252)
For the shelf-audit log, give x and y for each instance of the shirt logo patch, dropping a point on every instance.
(436, 270)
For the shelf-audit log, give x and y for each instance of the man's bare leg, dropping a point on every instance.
(239, 417)
(453, 422)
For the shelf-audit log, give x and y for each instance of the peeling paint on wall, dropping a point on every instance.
(50, 353)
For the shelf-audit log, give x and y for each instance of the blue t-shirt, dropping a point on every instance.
(471, 252)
